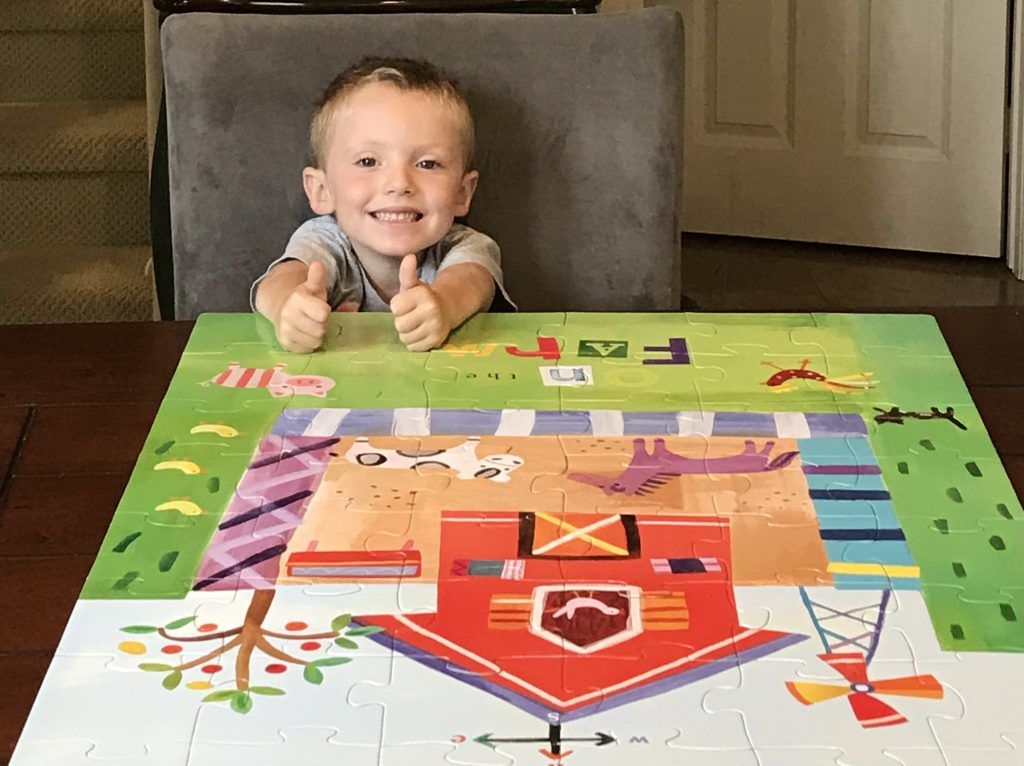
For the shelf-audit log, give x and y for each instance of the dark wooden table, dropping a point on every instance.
(76, 404)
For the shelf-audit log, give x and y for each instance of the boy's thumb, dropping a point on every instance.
(408, 277)
(316, 280)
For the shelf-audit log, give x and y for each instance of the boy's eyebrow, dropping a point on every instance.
(424, 148)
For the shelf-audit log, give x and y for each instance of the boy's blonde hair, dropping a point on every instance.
(408, 74)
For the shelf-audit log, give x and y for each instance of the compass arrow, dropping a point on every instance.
(489, 739)
(555, 756)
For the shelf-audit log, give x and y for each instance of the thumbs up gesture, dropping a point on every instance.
(420, 318)
(302, 321)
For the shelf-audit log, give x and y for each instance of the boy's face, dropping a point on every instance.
(393, 173)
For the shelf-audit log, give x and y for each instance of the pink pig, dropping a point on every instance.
(275, 380)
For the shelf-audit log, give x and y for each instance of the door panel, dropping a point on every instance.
(747, 101)
(871, 122)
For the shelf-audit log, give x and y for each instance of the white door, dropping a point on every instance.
(868, 122)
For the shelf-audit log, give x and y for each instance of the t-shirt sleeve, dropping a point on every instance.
(466, 245)
(315, 240)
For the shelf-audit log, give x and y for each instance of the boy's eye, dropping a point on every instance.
(430, 164)
(366, 162)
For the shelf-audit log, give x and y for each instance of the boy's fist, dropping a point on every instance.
(302, 322)
(419, 315)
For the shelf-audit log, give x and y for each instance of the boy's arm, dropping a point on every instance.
(470, 246)
(464, 289)
(277, 286)
(293, 297)
(426, 314)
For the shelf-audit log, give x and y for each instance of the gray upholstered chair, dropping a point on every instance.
(578, 125)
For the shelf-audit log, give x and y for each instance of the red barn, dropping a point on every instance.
(567, 614)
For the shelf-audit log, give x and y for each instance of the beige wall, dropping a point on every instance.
(609, 6)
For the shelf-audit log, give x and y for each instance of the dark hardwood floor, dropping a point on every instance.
(741, 274)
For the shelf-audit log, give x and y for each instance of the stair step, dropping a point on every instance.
(73, 209)
(76, 284)
(72, 66)
(25, 15)
(75, 137)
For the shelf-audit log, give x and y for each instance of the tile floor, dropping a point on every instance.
(741, 274)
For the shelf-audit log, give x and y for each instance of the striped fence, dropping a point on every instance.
(415, 421)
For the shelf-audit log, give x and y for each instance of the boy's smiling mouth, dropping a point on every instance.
(397, 215)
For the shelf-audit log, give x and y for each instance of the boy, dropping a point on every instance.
(392, 144)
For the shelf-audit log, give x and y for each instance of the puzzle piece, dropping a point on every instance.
(495, 359)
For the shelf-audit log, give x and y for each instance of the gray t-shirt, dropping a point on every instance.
(321, 239)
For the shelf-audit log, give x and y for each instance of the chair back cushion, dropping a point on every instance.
(578, 144)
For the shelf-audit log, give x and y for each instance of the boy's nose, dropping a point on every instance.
(399, 181)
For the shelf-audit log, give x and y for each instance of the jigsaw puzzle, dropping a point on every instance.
(561, 538)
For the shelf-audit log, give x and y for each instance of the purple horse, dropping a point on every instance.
(647, 472)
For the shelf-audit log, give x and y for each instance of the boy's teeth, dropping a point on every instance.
(382, 216)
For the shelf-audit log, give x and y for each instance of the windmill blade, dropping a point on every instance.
(850, 665)
(911, 686)
(872, 712)
(811, 693)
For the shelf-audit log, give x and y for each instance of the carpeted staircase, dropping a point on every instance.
(74, 210)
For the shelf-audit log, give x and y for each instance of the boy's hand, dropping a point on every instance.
(420, 316)
(302, 321)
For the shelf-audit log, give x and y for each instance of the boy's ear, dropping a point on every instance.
(314, 181)
(467, 190)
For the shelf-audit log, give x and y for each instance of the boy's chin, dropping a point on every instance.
(400, 249)
(401, 254)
